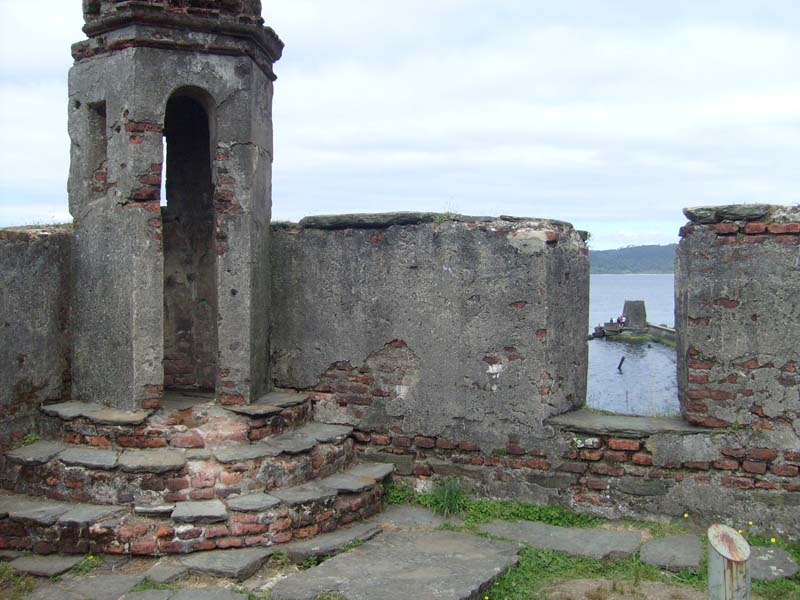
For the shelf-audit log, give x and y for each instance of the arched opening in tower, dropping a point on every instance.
(190, 289)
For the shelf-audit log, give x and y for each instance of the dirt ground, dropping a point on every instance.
(602, 589)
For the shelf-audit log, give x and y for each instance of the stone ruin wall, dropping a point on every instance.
(34, 340)
(431, 339)
(470, 329)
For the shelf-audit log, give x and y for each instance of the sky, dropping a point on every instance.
(610, 114)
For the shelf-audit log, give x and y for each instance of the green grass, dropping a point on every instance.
(481, 511)
(399, 493)
(30, 438)
(351, 544)
(14, 586)
(87, 565)
(447, 498)
(148, 584)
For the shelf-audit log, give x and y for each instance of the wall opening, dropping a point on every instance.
(190, 290)
(98, 146)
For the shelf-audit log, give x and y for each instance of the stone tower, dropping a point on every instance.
(171, 290)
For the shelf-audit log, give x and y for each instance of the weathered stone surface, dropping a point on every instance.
(86, 514)
(303, 494)
(37, 453)
(166, 572)
(81, 587)
(34, 304)
(238, 563)
(70, 410)
(89, 457)
(768, 564)
(587, 421)
(375, 471)
(733, 212)
(435, 565)
(200, 511)
(594, 543)
(282, 399)
(45, 566)
(348, 483)
(674, 552)
(113, 416)
(208, 593)
(151, 461)
(38, 511)
(639, 486)
(253, 502)
(323, 432)
(154, 509)
(149, 595)
(255, 410)
(403, 463)
(367, 221)
(436, 309)
(292, 442)
(328, 544)
(6, 555)
(231, 454)
(406, 516)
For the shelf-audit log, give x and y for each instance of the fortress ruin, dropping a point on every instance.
(185, 360)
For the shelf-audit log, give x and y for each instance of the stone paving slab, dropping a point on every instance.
(231, 454)
(377, 471)
(328, 544)
(238, 563)
(166, 572)
(113, 416)
(208, 593)
(282, 399)
(98, 587)
(44, 566)
(674, 552)
(324, 432)
(151, 461)
(89, 457)
(303, 494)
(200, 511)
(595, 543)
(767, 564)
(253, 502)
(41, 512)
(37, 453)
(255, 410)
(345, 482)
(86, 514)
(70, 410)
(292, 442)
(149, 595)
(435, 565)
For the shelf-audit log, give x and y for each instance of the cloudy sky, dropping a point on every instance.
(610, 114)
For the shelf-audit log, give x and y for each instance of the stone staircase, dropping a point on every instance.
(192, 475)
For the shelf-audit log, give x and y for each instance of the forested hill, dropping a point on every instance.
(634, 259)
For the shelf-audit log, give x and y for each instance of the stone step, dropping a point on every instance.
(329, 544)
(111, 475)
(185, 420)
(252, 519)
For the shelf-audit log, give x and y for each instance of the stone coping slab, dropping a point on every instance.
(376, 471)
(328, 544)
(304, 494)
(258, 502)
(37, 453)
(255, 410)
(200, 511)
(24, 508)
(435, 565)
(348, 483)
(674, 552)
(92, 458)
(86, 514)
(97, 413)
(595, 543)
(325, 432)
(152, 461)
(282, 399)
(588, 421)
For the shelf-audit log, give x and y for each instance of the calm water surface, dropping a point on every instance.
(647, 384)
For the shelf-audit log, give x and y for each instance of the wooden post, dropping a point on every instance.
(728, 567)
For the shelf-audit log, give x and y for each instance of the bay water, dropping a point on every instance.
(647, 382)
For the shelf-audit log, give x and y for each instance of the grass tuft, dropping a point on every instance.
(447, 498)
(14, 586)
